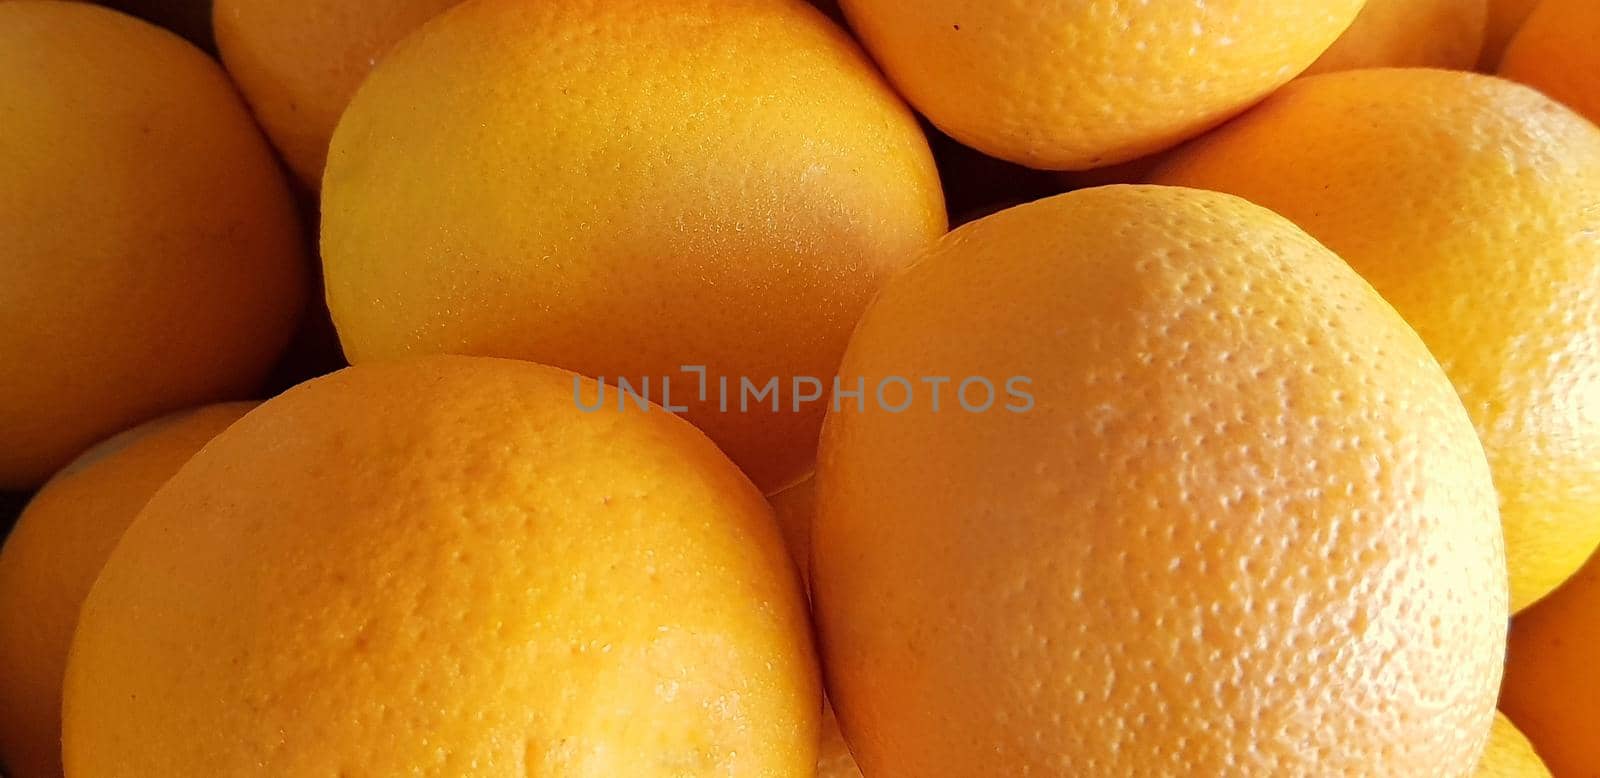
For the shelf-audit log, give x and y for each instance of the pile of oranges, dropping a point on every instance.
(598, 389)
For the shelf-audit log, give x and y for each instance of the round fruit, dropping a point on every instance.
(1077, 85)
(153, 258)
(443, 566)
(1558, 53)
(1410, 33)
(1473, 205)
(53, 556)
(1552, 681)
(298, 62)
(627, 188)
(1229, 506)
(1505, 19)
(1509, 754)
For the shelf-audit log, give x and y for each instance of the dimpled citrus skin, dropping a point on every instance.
(1558, 53)
(1077, 84)
(1552, 685)
(1245, 510)
(298, 62)
(53, 556)
(1509, 754)
(1410, 33)
(1505, 19)
(443, 567)
(1473, 205)
(625, 187)
(153, 259)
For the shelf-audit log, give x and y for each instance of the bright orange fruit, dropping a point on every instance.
(1410, 33)
(444, 567)
(1078, 85)
(298, 62)
(153, 259)
(1238, 509)
(626, 188)
(1473, 205)
(53, 556)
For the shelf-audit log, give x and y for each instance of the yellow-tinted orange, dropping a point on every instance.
(444, 567)
(1473, 205)
(298, 62)
(52, 558)
(1509, 754)
(1558, 53)
(153, 259)
(1078, 85)
(625, 188)
(1410, 33)
(1552, 685)
(1229, 508)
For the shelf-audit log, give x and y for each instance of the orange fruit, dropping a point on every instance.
(53, 556)
(1558, 53)
(627, 188)
(1505, 19)
(153, 258)
(1078, 85)
(298, 62)
(443, 566)
(1410, 33)
(1473, 205)
(1552, 685)
(1509, 754)
(1221, 505)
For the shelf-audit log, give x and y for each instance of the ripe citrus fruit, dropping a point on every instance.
(1077, 85)
(1552, 685)
(1505, 19)
(1242, 508)
(298, 62)
(443, 566)
(1407, 33)
(1509, 754)
(1558, 53)
(153, 259)
(53, 556)
(626, 188)
(1473, 205)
